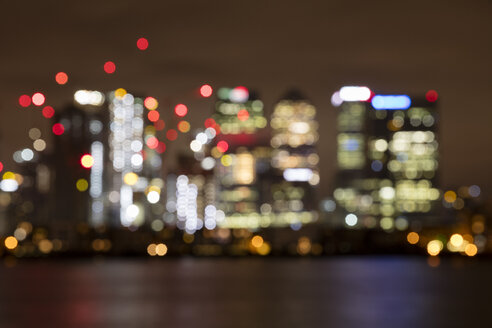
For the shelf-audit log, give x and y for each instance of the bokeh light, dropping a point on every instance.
(159, 125)
(61, 78)
(180, 110)
(58, 129)
(109, 67)
(413, 238)
(243, 115)
(206, 90)
(1, 166)
(222, 146)
(87, 161)
(152, 142)
(11, 242)
(142, 44)
(24, 101)
(183, 126)
(82, 185)
(48, 112)
(431, 96)
(171, 134)
(151, 103)
(38, 99)
(153, 116)
(161, 147)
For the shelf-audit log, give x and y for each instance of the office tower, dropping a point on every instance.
(387, 156)
(294, 161)
(242, 155)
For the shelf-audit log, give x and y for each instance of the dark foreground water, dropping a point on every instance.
(248, 292)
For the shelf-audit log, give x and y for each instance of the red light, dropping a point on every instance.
(243, 115)
(61, 78)
(210, 123)
(159, 125)
(24, 100)
(171, 134)
(109, 67)
(87, 161)
(222, 146)
(1, 166)
(161, 147)
(153, 115)
(38, 99)
(181, 110)
(48, 112)
(142, 44)
(431, 95)
(58, 129)
(206, 90)
(152, 142)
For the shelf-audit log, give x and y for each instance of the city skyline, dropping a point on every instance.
(159, 73)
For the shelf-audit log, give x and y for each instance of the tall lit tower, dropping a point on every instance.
(294, 160)
(387, 155)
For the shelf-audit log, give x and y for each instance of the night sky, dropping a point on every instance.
(270, 46)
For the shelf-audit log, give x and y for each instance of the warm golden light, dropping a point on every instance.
(456, 240)
(257, 241)
(413, 238)
(471, 250)
(11, 242)
(130, 178)
(434, 247)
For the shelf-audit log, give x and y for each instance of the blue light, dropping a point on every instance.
(391, 102)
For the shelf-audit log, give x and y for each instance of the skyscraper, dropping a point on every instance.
(294, 161)
(387, 156)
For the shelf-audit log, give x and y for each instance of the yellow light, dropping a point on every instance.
(11, 242)
(161, 249)
(8, 175)
(130, 178)
(450, 196)
(216, 153)
(471, 250)
(434, 247)
(413, 238)
(119, 93)
(226, 160)
(45, 246)
(82, 185)
(264, 249)
(257, 241)
(151, 250)
(149, 130)
(456, 240)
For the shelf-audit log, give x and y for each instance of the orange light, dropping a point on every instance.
(61, 78)
(153, 116)
(87, 161)
(151, 103)
(243, 115)
(183, 126)
(206, 90)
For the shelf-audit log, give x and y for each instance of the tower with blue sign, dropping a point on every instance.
(387, 157)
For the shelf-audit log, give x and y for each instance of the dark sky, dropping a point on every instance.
(390, 46)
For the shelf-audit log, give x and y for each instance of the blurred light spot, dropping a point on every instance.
(130, 178)
(434, 247)
(181, 110)
(413, 237)
(34, 133)
(171, 134)
(24, 101)
(351, 219)
(142, 44)
(87, 161)
(48, 112)
(471, 250)
(222, 146)
(161, 249)
(61, 78)
(431, 95)
(38, 99)
(153, 116)
(11, 242)
(82, 185)
(243, 115)
(206, 90)
(152, 142)
(151, 103)
(109, 67)
(183, 126)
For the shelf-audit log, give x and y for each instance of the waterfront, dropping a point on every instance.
(350, 291)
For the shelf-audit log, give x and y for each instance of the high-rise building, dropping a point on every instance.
(294, 161)
(243, 159)
(387, 156)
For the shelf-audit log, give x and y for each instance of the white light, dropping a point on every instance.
(202, 138)
(299, 127)
(298, 174)
(9, 185)
(196, 145)
(211, 133)
(137, 160)
(381, 145)
(220, 216)
(132, 211)
(95, 126)
(387, 193)
(208, 163)
(351, 219)
(335, 99)
(27, 154)
(210, 224)
(86, 97)
(355, 93)
(153, 197)
(239, 94)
